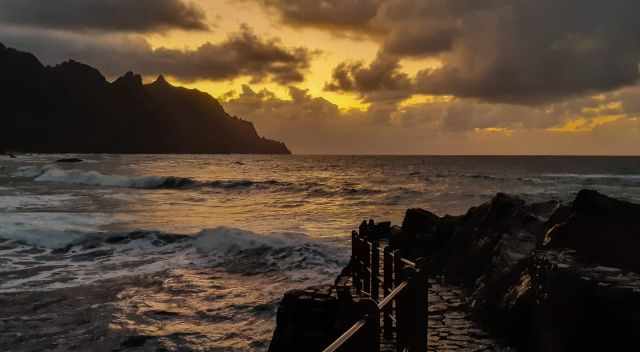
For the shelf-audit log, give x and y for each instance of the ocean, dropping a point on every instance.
(223, 237)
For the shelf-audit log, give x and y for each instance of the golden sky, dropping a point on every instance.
(373, 76)
(227, 16)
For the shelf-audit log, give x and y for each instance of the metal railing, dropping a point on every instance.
(402, 305)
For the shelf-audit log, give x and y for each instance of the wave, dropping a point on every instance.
(53, 174)
(82, 258)
(594, 176)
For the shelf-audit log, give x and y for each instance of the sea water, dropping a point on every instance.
(228, 235)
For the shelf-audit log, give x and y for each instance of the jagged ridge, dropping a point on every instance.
(71, 107)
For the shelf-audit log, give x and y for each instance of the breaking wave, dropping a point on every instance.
(53, 174)
(72, 258)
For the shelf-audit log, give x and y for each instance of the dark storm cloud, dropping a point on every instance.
(533, 52)
(241, 54)
(512, 51)
(330, 14)
(104, 15)
(381, 80)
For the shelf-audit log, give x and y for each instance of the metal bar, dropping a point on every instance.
(397, 268)
(366, 257)
(387, 285)
(375, 271)
(406, 318)
(408, 262)
(346, 336)
(355, 262)
(392, 295)
(421, 307)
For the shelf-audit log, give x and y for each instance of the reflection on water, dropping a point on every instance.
(275, 223)
(321, 196)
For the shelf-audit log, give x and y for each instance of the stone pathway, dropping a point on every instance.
(450, 327)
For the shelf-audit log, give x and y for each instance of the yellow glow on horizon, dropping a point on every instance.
(496, 130)
(582, 124)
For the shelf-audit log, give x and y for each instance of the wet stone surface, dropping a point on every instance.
(450, 326)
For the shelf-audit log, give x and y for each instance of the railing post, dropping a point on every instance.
(375, 270)
(368, 339)
(387, 287)
(397, 280)
(366, 256)
(421, 307)
(355, 262)
(374, 324)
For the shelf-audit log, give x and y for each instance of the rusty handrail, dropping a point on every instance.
(404, 282)
(347, 335)
(392, 295)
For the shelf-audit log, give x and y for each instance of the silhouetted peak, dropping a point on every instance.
(85, 113)
(129, 80)
(3, 47)
(161, 82)
(15, 64)
(74, 71)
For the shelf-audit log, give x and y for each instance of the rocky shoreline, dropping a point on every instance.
(536, 277)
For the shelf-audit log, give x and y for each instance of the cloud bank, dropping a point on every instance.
(104, 15)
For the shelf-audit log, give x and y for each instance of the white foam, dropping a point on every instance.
(50, 230)
(595, 176)
(296, 255)
(231, 240)
(15, 202)
(94, 178)
(31, 171)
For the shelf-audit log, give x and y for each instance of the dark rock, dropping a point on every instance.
(552, 302)
(422, 233)
(313, 318)
(47, 110)
(601, 229)
(69, 160)
(488, 240)
(375, 231)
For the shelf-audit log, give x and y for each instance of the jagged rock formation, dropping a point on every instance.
(544, 277)
(547, 277)
(72, 108)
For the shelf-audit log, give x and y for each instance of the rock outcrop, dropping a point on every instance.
(544, 277)
(311, 319)
(72, 108)
(602, 230)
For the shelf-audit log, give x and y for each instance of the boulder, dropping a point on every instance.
(375, 231)
(552, 302)
(489, 240)
(423, 233)
(601, 230)
(311, 318)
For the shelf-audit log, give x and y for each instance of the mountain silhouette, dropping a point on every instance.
(72, 108)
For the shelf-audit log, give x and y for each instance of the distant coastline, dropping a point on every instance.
(72, 108)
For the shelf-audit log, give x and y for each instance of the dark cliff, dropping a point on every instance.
(72, 108)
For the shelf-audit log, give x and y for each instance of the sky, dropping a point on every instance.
(373, 76)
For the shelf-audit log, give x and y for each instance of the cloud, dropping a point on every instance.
(382, 80)
(530, 52)
(104, 15)
(242, 53)
(327, 14)
(441, 126)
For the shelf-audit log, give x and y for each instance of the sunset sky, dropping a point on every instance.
(373, 76)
